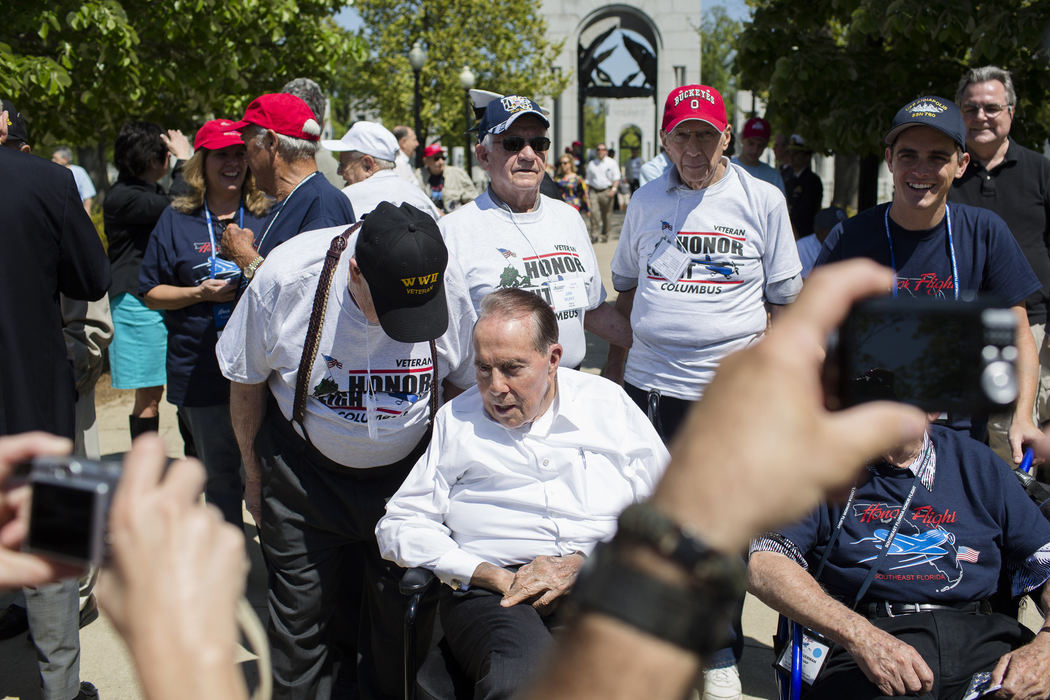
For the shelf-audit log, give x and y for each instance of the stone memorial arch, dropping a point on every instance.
(629, 55)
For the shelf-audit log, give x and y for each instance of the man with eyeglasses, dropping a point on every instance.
(704, 248)
(1014, 182)
(511, 235)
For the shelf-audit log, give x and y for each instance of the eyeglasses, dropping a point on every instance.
(990, 110)
(513, 144)
(438, 156)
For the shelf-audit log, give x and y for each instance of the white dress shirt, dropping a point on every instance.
(486, 493)
(602, 174)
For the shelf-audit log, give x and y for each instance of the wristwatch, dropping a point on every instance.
(249, 271)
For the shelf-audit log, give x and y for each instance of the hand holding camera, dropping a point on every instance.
(20, 568)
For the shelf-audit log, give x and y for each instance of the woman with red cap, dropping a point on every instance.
(184, 273)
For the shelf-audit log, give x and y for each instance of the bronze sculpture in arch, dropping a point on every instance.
(593, 81)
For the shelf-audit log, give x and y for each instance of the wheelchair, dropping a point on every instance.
(435, 676)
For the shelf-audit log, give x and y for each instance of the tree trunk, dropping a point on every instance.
(868, 182)
(847, 169)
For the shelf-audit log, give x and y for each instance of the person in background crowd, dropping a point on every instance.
(754, 140)
(573, 187)
(131, 210)
(654, 167)
(407, 143)
(1014, 182)
(633, 169)
(310, 92)
(809, 246)
(86, 188)
(366, 163)
(603, 179)
(448, 186)
(802, 186)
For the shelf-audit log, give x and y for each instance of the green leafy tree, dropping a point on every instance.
(837, 71)
(78, 69)
(594, 111)
(718, 36)
(503, 42)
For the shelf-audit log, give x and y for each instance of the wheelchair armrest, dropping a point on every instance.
(415, 580)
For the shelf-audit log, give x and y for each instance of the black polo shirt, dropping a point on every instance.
(1018, 189)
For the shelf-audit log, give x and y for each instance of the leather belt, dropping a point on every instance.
(887, 609)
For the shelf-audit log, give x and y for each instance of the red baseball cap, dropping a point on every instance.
(216, 134)
(433, 149)
(286, 114)
(699, 102)
(756, 128)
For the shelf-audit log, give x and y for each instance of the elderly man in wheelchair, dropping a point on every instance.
(524, 475)
(894, 583)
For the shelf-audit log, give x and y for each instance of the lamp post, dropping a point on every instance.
(416, 58)
(466, 81)
(556, 117)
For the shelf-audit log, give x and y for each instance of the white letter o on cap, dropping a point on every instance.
(694, 103)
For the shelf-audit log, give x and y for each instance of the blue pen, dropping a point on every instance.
(1026, 463)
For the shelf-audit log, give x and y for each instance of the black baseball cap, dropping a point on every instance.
(16, 123)
(403, 257)
(934, 112)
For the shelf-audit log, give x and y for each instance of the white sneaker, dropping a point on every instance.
(722, 683)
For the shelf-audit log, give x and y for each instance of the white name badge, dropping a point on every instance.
(814, 654)
(569, 294)
(668, 260)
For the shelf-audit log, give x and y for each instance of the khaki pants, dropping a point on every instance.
(601, 212)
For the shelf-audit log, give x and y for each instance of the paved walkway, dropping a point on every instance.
(104, 660)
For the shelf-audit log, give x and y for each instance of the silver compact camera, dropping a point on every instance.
(69, 508)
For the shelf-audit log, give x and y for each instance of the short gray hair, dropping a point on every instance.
(983, 75)
(512, 302)
(309, 92)
(289, 147)
(383, 164)
(64, 153)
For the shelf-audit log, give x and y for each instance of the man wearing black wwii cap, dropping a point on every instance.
(944, 250)
(337, 362)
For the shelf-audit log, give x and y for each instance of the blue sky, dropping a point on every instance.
(737, 10)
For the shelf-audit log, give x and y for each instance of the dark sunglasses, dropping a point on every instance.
(513, 144)
(438, 156)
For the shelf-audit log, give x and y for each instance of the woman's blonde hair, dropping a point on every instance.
(255, 200)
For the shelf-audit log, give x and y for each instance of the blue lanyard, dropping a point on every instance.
(211, 233)
(951, 249)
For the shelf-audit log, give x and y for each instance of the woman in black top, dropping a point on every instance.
(130, 212)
